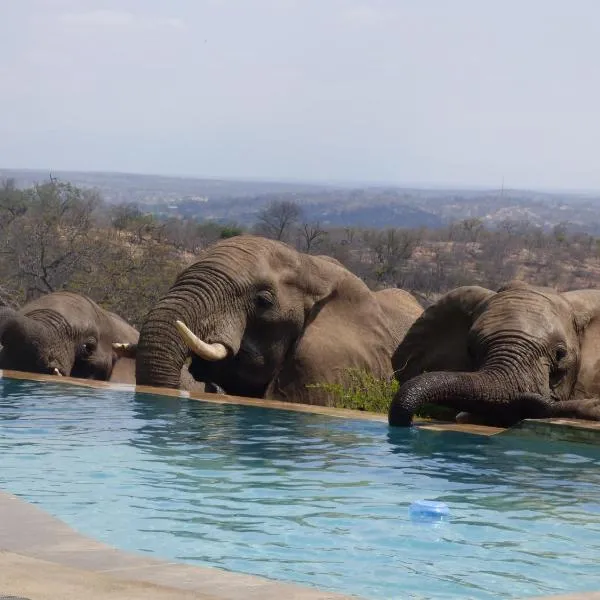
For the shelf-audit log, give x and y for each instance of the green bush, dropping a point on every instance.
(363, 391)
(231, 230)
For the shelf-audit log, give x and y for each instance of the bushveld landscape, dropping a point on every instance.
(123, 239)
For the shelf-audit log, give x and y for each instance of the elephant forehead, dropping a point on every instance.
(532, 313)
(242, 266)
(65, 324)
(523, 301)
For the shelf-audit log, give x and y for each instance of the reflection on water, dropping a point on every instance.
(306, 498)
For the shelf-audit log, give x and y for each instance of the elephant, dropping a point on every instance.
(6, 313)
(66, 334)
(260, 319)
(500, 357)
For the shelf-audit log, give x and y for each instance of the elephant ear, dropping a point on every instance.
(437, 340)
(344, 327)
(586, 320)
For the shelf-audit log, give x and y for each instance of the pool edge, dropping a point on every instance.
(223, 399)
(567, 430)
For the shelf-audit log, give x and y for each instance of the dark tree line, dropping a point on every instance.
(56, 236)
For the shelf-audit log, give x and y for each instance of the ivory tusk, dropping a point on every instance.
(57, 372)
(125, 350)
(212, 352)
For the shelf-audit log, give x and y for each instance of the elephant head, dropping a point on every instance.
(260, 319)
(63, 334)
(521, 352)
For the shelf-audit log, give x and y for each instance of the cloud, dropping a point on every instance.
(114, 19)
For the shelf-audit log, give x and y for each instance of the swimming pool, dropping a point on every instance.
(306, 498)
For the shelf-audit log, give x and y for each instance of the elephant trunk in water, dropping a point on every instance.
(497, 394)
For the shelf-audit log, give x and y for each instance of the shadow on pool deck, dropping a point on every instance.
(41, 558)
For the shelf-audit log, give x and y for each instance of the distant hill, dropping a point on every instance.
(331, 205)
(144, 189)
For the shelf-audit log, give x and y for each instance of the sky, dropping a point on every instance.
(414, 92)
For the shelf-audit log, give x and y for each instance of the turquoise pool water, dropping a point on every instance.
(306, 498)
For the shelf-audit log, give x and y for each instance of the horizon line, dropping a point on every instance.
(333, 183)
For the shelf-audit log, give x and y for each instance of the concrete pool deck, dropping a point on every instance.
(42, 558)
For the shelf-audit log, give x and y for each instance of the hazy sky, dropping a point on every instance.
(407, 91)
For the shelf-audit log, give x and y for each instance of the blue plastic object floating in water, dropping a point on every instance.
(428, 511)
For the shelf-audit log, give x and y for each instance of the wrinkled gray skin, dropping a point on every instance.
(66, 334)
(523, 352)
(284, 320)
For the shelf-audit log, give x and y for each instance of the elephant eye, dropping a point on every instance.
(264, 300)
(88, 347)
(560, 353)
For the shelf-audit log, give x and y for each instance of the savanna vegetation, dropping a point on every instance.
(57, 236)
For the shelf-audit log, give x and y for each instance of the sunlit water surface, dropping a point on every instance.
(306, 498)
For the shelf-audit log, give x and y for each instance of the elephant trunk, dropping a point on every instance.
(203, 313)
(497, 394)
(161, 351)
(194, 304)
